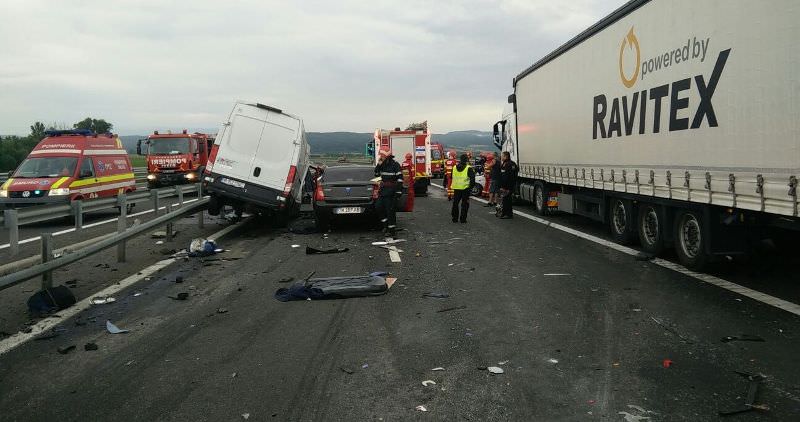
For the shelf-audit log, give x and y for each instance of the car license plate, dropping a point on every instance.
(347, 210)
(234, 183)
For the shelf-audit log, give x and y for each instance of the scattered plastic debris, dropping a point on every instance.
(66, 349)
(556, 274)
(160, 242)
(245, 416)
(103, 300)
(421, 408)
(295, 246)
(286, 280)
(553, 361)
(502, 363)
(346, 370)
(180, 296)
(427, 383)
(438, 369)
(113, 329)
(750, 401)
(436, 295)
(222, 310)
(314, 251)
(179, 279)
(495, 370)
(90, 346)
(365, 366)
(666, 363)
(454, 308)
(387, 242)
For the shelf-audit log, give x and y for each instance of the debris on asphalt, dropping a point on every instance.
(202, 248)
(113, 329)
(234, 375)
(314, 251)
(50, 300)
(245, 416)
(742, 337)
(666, 363)
(295, 246)
(346, 370)
(365, 366)
(180, 296)
(427, 383)
(556, 274)
(179, 279)
(641, 416)
(71, 283)
(66, 349)
(421, 408)
(553, 361)
(335, 288)
(750, 401)
(502, 362)
(436, 295)
(495, 370)
(103, 300)
(286, 280)
(137, 294)
(670, 329)
(159, 242)
(90, 347)
(387, 242)
(438, 369)
(222, 310)
(454, 308)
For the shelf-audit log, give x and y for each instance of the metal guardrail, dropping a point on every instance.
(139, 173)
(46, 268)
(11, 219)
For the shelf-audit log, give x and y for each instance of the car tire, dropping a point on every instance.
(690, 240)
(622, 221)
(214, 205)
(539, 199)
(650, 228)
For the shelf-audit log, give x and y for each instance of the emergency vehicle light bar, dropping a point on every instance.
(84, 132)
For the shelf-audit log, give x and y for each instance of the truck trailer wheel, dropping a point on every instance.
(690, 242)
(622, 221)
(651, 229)
(539, 198)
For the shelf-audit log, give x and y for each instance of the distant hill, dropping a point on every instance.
(353, 142)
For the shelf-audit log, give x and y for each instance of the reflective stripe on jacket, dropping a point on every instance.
(460, 178)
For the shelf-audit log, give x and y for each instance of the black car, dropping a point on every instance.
(341, 191)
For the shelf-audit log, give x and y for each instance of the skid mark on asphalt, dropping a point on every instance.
(706, 278)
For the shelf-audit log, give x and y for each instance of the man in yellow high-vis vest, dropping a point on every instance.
(463, 179)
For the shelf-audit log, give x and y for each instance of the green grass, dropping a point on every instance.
(138, 161)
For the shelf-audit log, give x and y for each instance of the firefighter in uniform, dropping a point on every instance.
(407, 167)
(391, 182)
(463, 181)
(448, 172)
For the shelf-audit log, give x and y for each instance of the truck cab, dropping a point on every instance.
(437, 159)
(175, 158)
(415, 140)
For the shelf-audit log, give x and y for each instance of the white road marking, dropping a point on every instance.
(89, 226)
(20, 338)
(394, 253)
(710, 279)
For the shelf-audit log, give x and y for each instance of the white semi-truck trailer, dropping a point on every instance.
(675, 122)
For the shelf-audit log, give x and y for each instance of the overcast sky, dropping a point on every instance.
(340, 65)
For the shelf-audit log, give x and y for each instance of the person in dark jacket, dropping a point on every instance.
(463, 179)
(391, 182)
(508, 180)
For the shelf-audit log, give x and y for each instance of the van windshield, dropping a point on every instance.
(169, 146)
(47, 167)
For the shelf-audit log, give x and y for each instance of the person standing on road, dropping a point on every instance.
(391, 182)
(463, 181)
(508, 180)
(493, 168)
(448, 173)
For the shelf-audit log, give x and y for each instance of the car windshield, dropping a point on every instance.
(347, 174)
(47, 167)
(169, 146)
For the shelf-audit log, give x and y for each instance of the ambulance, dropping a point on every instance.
(69, 165)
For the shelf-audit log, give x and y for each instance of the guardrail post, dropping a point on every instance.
(179, 194)
(12, 224)
(169, 225)
(122, 224)
(77, 212)
(199, 190)
(47, 256)
(154, 200)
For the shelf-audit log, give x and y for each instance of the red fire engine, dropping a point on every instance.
(175, 158)
(415, 140)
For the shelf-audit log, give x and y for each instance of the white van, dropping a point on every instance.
(258, 161)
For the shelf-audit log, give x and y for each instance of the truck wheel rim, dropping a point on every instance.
(650, 226)
(691, 240)
(620, 217)
(539, 198)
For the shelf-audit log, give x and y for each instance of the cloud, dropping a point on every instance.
(345, 65)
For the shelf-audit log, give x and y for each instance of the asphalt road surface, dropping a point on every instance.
(581, 331)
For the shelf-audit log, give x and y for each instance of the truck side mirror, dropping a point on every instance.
(139, 147)
(371, 149)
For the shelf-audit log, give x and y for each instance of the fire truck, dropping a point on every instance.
(175, 158)
(437, 159)
(414, 140)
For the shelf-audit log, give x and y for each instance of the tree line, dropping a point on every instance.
(14, 149)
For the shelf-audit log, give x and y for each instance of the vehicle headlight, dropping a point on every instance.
(209, 179)
(190, 176)
(151, 177)
(59, 192)
(3, 193)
